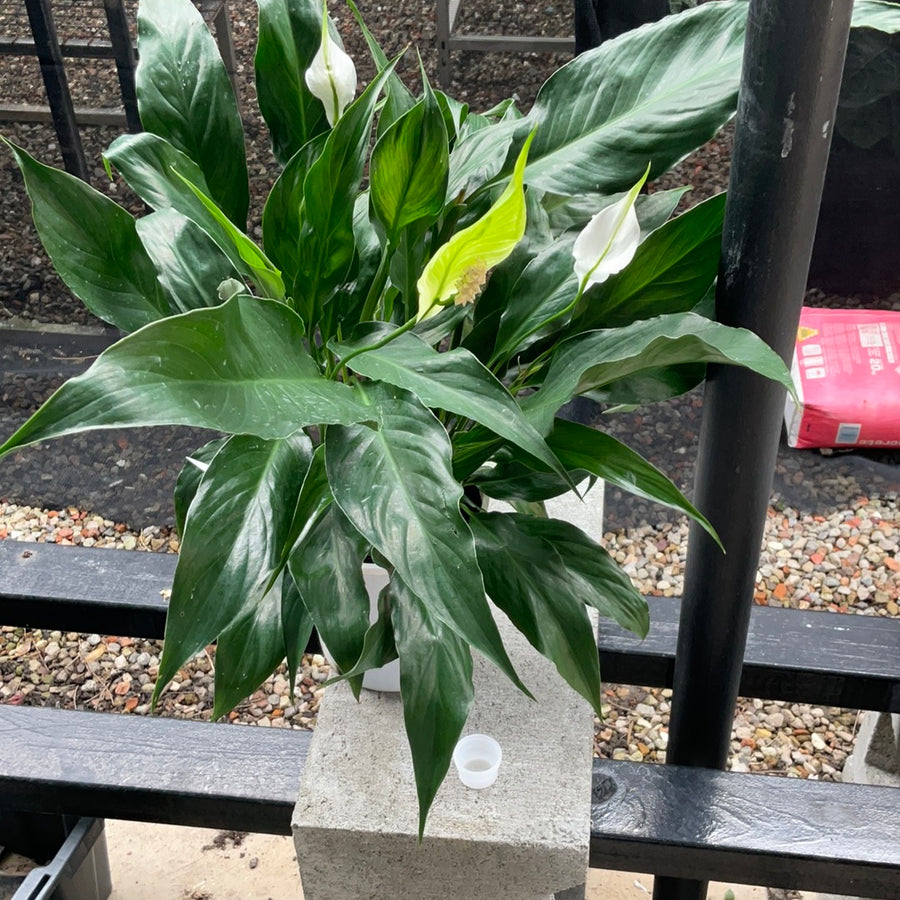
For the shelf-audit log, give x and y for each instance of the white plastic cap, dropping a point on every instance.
(477, 759)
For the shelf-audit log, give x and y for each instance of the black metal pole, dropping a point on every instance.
(793, 60)
(57, 86)
(123, 51)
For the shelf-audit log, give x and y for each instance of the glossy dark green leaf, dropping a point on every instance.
(189, 264)
(93, 245)
(436, 687)
(262, 270)
(525, 577)
(516, 481)
(670, 273)
(289, 35)
(543, 291)
(393, 480)
(239, 368)
(283, 212)
(326, 565)
(248, 651)
(594, 577)
(651, 95)
(189, 479)
(185, 96)
(160, 175)
(454, 381)
(590, 450)
(479, 157)
(223, 571)
(408, 169)
(596, 359)
(326, 241)
(296, 625)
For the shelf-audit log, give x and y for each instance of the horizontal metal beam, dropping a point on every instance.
(486, 43)
(689, 822)
(150, 769)
(27, 112)
(801, 656)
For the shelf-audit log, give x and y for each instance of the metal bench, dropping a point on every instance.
(670, 820)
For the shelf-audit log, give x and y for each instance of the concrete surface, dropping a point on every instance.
(525, 837)
(169, 862)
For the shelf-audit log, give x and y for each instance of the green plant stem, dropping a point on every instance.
(377, 286)
(407, 326)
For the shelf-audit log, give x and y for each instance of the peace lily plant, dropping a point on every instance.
(432, 285)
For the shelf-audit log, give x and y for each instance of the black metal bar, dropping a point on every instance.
(123, 50)
(793, 61)
(57, 86)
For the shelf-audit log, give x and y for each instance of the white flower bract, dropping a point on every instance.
(607, 243)
(331, 78)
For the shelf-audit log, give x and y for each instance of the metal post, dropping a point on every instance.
(793, 60)
(57, 86)
(123, 51)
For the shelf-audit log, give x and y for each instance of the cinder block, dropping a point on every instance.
(524, 838)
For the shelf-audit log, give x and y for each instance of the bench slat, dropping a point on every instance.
(821, 658)
(753, 829)
(824, 658)
(150, 769)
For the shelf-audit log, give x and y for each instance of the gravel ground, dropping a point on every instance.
(831, 539)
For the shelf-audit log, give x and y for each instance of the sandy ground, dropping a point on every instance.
(168, 862)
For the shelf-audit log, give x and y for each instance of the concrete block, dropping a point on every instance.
(524, 838)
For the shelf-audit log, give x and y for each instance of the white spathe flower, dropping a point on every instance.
(609, 241)
(331, 77)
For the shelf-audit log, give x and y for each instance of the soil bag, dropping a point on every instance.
(847, 372)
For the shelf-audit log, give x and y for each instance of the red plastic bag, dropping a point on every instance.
(847, 372)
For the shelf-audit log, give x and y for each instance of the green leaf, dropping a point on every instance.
(652, 95)
(670, 273)
(160, 175)
(408, 169)
(479, 158)
(266, 276)
(517, 480)
(185, 96)
(580, 447)
(528, 580)
(223, 572)
(393, 481)
(248, 651)
(596, 359)
(545, 288)
(436, 687)
(189, 264)
(283, 213)
(325, 243)
(296, 626)
(454, 381)
(94, 246)
(594, 577)
(289, 35)
(189, 479)
(878, 14)
(326, 565)
(202, 368)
